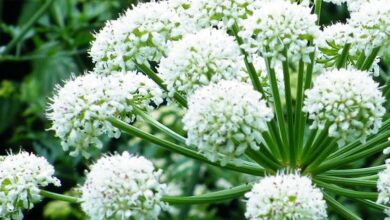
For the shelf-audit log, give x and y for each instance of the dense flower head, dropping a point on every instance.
(372, 23)
(80, 108)
(383, 186)
(122, 187)
(285, 196)
(349, 101)
(226, 118)
(200, 59)
(279, 26)
(21, 176)
(140, 35)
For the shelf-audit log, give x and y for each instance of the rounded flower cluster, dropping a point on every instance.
(21, 176)
(212, 12)
(122, 187)
(80, 108)
(383, 186)
(200, 59)
(285, 196)
(348, 101)
(373, 24)
(141, 35)
(280, 26)
(226, 118)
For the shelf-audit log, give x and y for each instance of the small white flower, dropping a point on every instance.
(80, 108)
(372, 23)
(122, 187)
(350, 101)
(208, 56)
(277, 26)
(141, 35)
(21, 177)
(383, 186)
(285, 196)
(226, 118)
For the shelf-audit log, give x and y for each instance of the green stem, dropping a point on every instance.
(360, 61)
(347, 181)
(290, 119)
(31, 21)
(277, 105)
(372, 204)
(158, 125)
(212, 197)
(262, 160)
(318, 4)
(318, 144)
(298, 111)
(56, 196)
(331, 164)
(191, 184)
(320, 156)
(346, 192)
(342, 60)
(152, 75)
(249, 65)
(370, 59)
(356, 172)
(243, 167)
(339, 208)
(269, 141)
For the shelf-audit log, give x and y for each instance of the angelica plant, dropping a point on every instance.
(229, 66)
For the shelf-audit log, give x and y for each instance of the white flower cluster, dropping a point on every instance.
(280, 26)
(122, 187)
(372, 23)
(285, 196)
(21, 176)
(226, 118)
(80, 108)
(141, 35)
(383, 186)
(208, 56)
(349, 101)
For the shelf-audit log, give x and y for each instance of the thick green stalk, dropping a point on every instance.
(57, 196)
(269, 141)
(306, 147)
(318, 6)
(358, 147)
(277, 105)
(249, 66)
(346, 181)
(158, 125)
(339, 208)
(298, 111)
(31, 21)
(356, 172)
(320, 156)
(360, 61)
(262, 160)
(243, 167)
(152, 75)
(342, 60)
(372, 204)
(349, 193)
(319, 143)
(370, 59)
(212, 197)
(331, 164)
(289, 104)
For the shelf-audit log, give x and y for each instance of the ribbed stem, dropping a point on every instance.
(57, 196)
(340, 209)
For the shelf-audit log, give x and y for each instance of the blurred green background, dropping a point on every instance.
(43, 42)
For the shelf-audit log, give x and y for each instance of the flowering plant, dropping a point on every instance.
(229, 65)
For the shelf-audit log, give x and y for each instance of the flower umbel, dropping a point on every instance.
(122, 187)
(21, 176)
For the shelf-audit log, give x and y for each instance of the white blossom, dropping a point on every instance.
(349, 101)
(122, 187)
(80, 108)
(226, 118)
(21, 177)
(208, 56)
(140, 35)
(372, 23)
(279, 26)
(285, 196)
(383, 186)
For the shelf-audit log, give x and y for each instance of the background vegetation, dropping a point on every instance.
(43, 42)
